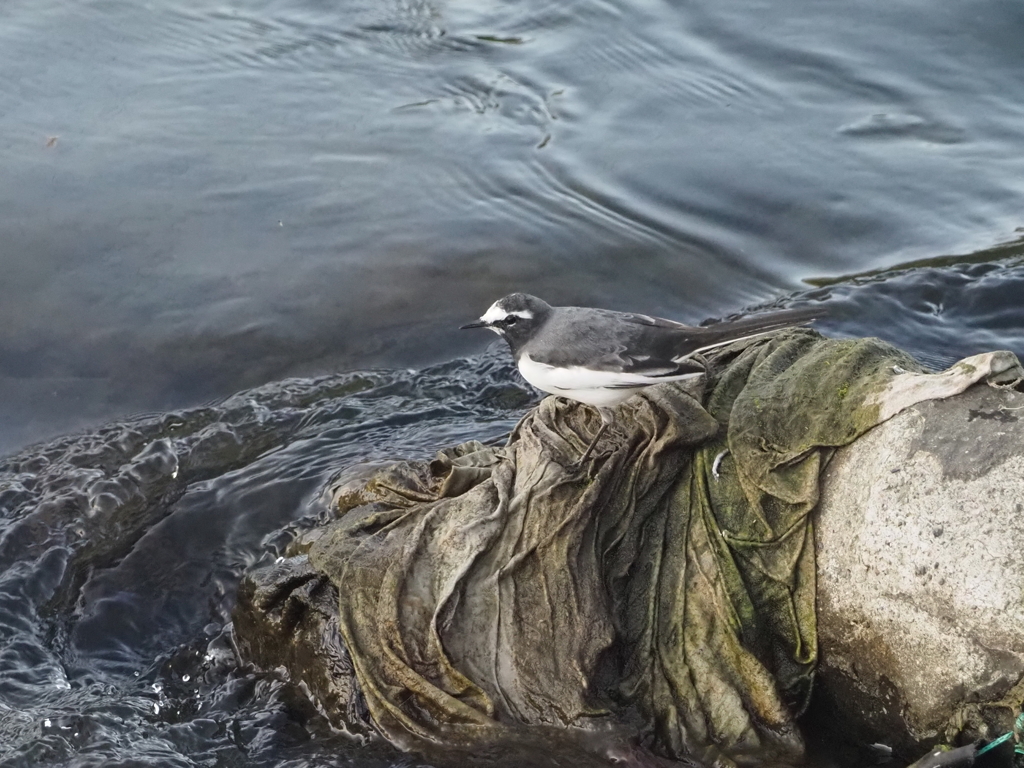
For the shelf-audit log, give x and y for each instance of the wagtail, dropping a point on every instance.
(600, 357)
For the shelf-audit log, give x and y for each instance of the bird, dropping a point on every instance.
(601, 357)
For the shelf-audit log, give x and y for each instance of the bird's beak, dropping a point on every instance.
(480, 324)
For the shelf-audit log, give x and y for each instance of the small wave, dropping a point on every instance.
(940, 310)
(120, 550)
(219, 40)
(897, 125)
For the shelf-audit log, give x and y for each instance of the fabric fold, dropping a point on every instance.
(671, 585)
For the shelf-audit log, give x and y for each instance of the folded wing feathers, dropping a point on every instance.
(624, 371)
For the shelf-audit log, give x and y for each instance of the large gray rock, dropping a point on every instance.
(921, 572)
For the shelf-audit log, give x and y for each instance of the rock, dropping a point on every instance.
(287, 616)
(921, 573)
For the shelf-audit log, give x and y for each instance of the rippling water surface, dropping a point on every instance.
(204, 196)
(249, 197)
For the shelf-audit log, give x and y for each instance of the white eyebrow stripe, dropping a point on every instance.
(496, 313)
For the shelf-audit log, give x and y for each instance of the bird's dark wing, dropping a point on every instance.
(640, 345)
(643, 320)
(613, 342)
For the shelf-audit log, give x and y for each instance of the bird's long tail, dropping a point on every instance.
(730, 331)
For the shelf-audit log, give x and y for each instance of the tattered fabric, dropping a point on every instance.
(671, 586)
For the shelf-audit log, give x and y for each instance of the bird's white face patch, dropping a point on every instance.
(493, 314)
(496, 313)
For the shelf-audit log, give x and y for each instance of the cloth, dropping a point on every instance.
(672, 586)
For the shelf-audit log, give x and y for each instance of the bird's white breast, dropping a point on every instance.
(598, 388)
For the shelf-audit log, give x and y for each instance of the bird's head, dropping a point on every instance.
(515, 318)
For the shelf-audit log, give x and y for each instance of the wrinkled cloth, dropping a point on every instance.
(671, 584)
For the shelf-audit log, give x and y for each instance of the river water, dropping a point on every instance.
(260, 222)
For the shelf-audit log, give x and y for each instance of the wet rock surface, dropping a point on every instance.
(921, 573)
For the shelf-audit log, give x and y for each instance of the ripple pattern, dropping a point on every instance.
(120, 549)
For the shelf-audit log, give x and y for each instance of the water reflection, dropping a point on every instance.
(204, 197)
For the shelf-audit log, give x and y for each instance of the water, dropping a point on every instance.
(207, 198)
(201, 197)
(120, 552)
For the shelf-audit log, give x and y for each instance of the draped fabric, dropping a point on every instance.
(670, 583)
